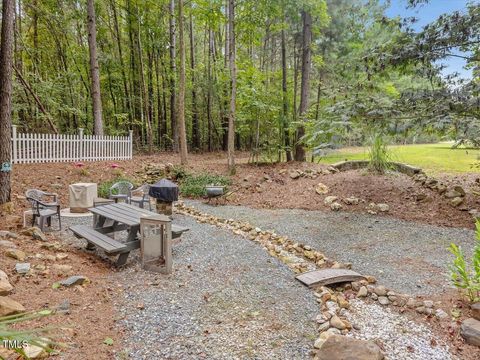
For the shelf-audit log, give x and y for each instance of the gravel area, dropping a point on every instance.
(400, 337)
(226, 299)
(408, 257)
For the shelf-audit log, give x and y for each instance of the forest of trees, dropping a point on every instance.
(276, 77)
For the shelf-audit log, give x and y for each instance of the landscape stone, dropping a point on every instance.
(459, 190)
(8, 235)
(74, 280)
(36, 352)
(295, 174)
(380, 290)
(330, 199)
(351, 201)
(456, 201)
(22, 268)
(383, 207)
(441, 189)
(5, 286)
(362, 292)
(35, 233)
(441, 314)
(324, 327)
(411, 303)
(450, 194)
(16, 254)
(9, 306)
(383, 300)
(475, 310)
(338, 347)
(428, 303)
(321, 189)
(470, 331)
(335, 206)
(7, 244)
(337, 323)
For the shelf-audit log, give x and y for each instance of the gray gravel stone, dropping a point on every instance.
(226, 299)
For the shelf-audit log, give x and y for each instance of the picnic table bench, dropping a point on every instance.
(113, 218)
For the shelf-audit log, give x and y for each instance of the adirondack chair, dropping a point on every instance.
(140, 196)
(42, 208)
(121, 190)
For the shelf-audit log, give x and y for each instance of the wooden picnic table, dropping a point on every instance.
(113, 218)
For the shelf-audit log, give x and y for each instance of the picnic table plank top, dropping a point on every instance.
(128, 214)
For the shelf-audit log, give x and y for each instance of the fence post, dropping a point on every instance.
(14, 142)
(131, 144)
(80, 144)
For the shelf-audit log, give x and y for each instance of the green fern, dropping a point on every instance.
(460, 274)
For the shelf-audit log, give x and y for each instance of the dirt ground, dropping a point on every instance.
(266, 186)
(90, 318)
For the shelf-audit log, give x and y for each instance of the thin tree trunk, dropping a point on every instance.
(182, 133)
(209, 91)
(6, 61)
(233, 86)
(94, 69)
(286, 132)
(305, 88)
(195, 127)
(127, 102)
(173, 74)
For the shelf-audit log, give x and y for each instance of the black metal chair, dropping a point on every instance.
(140, 196)
(43, 209)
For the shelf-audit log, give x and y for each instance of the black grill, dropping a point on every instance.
(164, 190)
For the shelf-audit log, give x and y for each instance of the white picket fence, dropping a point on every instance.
(39, 148)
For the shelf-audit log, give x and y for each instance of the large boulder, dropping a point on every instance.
(9, 306)
(338, 347)
(470, 331)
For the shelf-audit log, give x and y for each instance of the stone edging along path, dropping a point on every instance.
(333, 318)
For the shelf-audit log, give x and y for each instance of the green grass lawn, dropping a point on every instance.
(433, 158)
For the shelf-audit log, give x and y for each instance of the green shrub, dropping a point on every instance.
(379, 155)
(194, 185)
(104, 188)
(463, 276)
(179, 172)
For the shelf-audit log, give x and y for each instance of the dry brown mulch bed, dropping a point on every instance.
(91, 317)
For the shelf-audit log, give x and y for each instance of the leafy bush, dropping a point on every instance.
(179, 172)
(194, 185)
(104, 188)
(462, 276)
(379, 155)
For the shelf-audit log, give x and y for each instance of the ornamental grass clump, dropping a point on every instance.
(467, 276)
(379, 155)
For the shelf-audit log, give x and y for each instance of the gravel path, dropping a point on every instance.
(406, 256)
(227, 299)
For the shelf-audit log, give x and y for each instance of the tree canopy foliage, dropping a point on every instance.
(368, 73)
